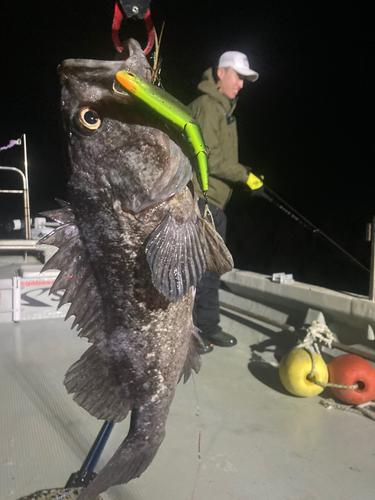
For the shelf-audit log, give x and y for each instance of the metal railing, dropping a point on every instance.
(24, 191)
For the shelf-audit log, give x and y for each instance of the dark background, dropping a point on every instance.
(306, 124)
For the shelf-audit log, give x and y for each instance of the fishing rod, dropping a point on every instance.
(282, 204)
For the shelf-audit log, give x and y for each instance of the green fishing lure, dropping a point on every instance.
(174, 114)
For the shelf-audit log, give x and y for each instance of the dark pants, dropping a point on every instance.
(206, 312)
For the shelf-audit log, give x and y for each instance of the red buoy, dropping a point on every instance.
(350, 369)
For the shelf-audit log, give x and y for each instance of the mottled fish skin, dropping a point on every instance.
(132, 244)
(56, 494)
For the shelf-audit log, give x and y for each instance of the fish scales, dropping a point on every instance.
(132, 246)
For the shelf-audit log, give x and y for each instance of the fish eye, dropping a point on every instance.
(89, 119)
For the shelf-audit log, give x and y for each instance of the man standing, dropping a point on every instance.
(213, 111)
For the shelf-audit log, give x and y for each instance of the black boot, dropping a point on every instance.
(222, 339)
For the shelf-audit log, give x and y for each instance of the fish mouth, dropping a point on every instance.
(125, 80)
(118, 90)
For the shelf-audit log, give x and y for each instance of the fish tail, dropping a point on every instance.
(131, 459)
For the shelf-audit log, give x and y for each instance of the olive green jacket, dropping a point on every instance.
(221, 140)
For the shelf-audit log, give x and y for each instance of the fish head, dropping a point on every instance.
(117, 152)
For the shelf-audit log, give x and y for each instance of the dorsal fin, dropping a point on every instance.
(76, 276)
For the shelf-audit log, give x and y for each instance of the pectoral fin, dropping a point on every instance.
(176, 254)
(182, 247)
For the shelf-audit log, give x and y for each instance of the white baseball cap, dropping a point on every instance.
(240, 63)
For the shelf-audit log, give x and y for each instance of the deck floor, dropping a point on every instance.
(257, 442)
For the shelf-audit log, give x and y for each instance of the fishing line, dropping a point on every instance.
(207, 216)
(199, 439)
(300, 218)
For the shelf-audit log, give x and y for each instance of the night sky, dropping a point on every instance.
(306, 124)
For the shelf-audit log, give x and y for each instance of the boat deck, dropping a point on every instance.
(257, 441)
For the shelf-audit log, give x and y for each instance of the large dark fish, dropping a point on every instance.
(132, 244)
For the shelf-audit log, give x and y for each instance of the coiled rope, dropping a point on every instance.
(359, 409)
(319, 332)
